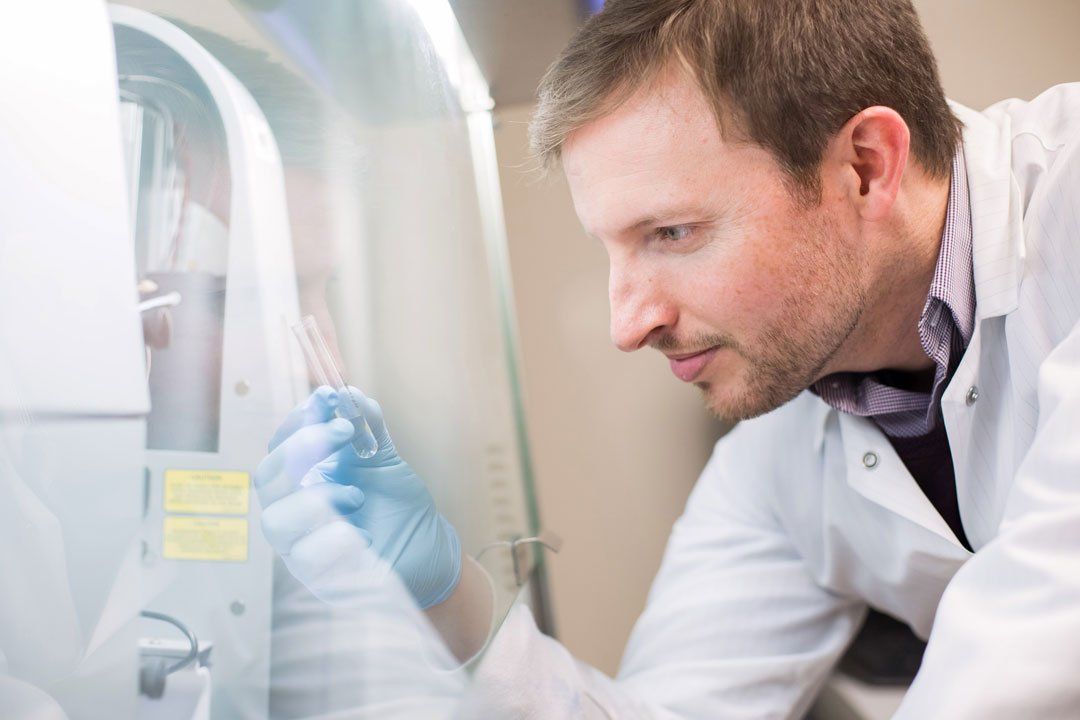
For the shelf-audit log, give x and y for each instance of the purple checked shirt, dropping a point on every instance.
(912, 420)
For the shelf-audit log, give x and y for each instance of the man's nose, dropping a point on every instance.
(638, 307)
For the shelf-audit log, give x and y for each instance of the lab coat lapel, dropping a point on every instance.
(876, 472)
(998, 254)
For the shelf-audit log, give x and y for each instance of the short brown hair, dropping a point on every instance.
(786, 74)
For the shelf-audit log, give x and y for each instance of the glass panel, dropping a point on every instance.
(175, 153)
(332, 160)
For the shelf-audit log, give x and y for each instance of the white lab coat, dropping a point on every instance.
(789, 534)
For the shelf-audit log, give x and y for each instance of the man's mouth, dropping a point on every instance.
(688, 367)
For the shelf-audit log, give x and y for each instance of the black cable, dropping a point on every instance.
(192, 653)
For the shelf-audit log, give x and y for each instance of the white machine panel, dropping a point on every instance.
(67, 283)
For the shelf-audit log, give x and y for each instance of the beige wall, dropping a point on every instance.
(989, 50)
(617, 440)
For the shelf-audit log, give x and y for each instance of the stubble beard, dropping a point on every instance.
(791, 354)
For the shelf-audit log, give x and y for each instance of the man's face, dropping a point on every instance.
(748, 290)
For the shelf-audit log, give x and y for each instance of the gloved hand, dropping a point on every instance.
(328, 528)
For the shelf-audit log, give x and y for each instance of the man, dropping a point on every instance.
(883, 286)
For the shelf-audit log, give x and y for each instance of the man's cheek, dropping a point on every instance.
(750, 297)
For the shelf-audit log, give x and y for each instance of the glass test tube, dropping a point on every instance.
(326, 372)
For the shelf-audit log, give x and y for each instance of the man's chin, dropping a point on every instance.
(733, 404)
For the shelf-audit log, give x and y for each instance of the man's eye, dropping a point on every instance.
(675, 233)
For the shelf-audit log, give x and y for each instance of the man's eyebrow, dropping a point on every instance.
(643, 222)
(636, 225)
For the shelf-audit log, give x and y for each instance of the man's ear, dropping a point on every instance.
(871, 150)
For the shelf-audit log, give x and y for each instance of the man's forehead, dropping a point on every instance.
(652, 160)
(667, 117)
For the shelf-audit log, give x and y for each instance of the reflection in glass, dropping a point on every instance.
(177, 162)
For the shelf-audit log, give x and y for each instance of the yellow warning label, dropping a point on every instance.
(214, 492)
(202, 538)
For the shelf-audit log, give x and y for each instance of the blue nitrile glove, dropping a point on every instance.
(324, 529)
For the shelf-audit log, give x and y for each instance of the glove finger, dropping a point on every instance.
(281, 471)
(318, 408)
(294, 516)
(374, 415)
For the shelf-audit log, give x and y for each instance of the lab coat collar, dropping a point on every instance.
(996, 212)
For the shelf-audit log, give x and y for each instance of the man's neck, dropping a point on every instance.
(888, 334)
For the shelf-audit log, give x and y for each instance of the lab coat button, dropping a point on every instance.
(870, 460)
(972, 395)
